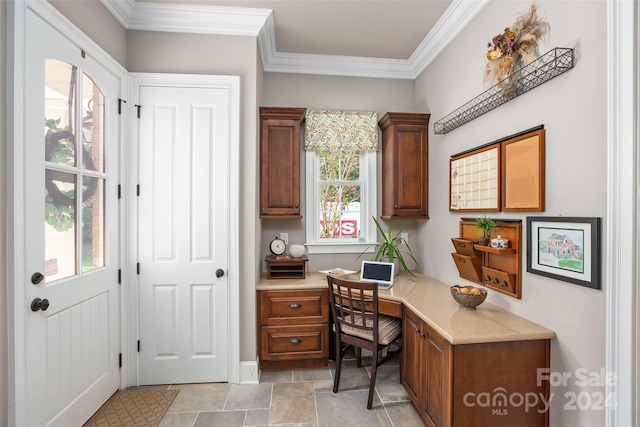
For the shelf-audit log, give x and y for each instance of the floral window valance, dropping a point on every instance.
(333, 130)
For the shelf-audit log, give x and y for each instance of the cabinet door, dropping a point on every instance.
(412, 356)
(437, 379)
(280, 162)
(411, 181)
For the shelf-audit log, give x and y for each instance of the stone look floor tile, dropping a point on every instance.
(293, 403)
(179, 419)
(221, 419)
(249, 396)
(298, 398)
(200, 397)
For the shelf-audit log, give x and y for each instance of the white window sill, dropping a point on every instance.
(340, 248)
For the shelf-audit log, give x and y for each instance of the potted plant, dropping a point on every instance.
(389, 248)
(485, 225)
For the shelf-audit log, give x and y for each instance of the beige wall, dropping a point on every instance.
(572, 108)
(156, 52)
(4, 350)
(103, 28)
(330, 92)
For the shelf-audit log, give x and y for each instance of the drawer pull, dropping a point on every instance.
(295, 305)
(295, 341)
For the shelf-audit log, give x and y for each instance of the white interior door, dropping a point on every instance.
(183, 234)
(71, 237)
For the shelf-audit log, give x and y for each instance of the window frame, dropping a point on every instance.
(368, 193)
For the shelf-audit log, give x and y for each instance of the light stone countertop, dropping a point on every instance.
(431, 300)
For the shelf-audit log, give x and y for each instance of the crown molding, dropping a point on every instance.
(146, 16)
(199, 19)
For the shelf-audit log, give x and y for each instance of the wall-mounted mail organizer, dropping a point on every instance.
(499, 269)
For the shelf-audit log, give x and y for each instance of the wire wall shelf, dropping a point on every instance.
(535, 73)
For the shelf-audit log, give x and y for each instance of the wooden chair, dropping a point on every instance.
(357, 323)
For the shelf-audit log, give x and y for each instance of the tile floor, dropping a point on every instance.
(297, 398)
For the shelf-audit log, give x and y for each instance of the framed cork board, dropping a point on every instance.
(503, 175)
(523, 172)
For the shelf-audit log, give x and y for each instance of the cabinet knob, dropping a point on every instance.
(395, 206)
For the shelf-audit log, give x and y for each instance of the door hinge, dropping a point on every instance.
(138, 268)
(138, 346)
(138, 189)
(120, 360)
(138, 108)
(119, 191)
(119, 276)
(120, 101)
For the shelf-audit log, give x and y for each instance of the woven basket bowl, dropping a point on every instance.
(470, 301)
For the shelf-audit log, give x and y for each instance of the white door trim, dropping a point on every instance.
(621, 228)
(232, 83)
(16, 13)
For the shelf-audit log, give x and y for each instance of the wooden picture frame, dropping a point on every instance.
(566, 249)
(474, 180)
(522, 168)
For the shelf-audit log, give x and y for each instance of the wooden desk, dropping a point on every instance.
(452, 355)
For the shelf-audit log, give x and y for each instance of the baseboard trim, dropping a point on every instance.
(249, 372)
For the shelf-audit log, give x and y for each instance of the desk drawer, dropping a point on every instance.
(390, 308)
(294, 342)
(293, 307)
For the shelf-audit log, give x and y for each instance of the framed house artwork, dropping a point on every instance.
(566, 249)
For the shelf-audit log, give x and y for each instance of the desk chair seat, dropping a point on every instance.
(357, 323)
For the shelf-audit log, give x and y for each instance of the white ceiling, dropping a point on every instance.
(366, 38)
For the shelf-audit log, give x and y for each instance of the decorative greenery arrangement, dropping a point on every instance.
(390, 247)
(485, 224)
(515, 47)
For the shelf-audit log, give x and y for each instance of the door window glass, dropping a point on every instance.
(74, 226)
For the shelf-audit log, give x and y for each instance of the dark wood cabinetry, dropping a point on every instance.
(447, 383)
(293, 328)
(280, 133)
(404, 165)
(427, 370)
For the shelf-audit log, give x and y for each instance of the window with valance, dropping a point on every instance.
(341, 179)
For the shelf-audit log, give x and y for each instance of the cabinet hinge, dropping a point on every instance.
(138, 110)
(138, 189)
(138, 268)
(119, 276)
(120, 360)
(120, 101)
(138, 346)
(119, 191)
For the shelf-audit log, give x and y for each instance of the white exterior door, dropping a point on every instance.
(71, 230)
(183, 223)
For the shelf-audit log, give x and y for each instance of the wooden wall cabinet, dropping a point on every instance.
(446, 382)
(293, 328)
(280, 140)
(497, 269)
(405, 165)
